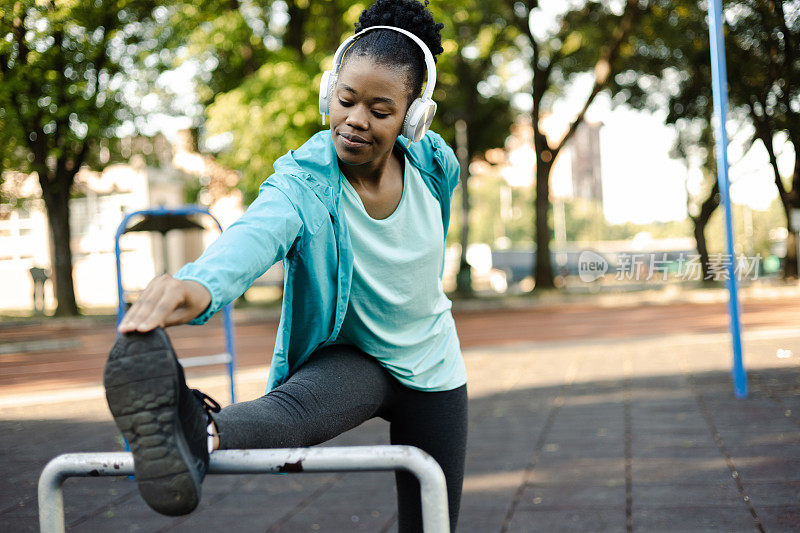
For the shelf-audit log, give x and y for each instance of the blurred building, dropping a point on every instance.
(575, 172)
(585, 151)
(157, 173)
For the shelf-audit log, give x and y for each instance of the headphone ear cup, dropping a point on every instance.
(418, 119)
(427, 118)
(325, 88)
(411, 119)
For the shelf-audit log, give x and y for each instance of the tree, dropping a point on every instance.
(763, 62)
(671, 47)
(62, 69)
(474, 36)
(589, 37)
(695, 145)
(267, 105)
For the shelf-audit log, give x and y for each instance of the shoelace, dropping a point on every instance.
(210, 405)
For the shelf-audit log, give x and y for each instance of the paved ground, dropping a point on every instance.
(581, 419)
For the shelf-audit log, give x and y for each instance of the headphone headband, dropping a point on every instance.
(427, 93)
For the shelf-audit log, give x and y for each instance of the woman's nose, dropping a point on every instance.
(358, 117)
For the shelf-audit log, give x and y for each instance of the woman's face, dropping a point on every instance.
(367, 109)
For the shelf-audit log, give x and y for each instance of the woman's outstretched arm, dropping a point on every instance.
(244, 251)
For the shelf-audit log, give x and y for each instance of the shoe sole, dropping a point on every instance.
(141, 381)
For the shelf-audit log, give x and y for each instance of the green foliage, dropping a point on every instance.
(64, 69)
(63, 66)
(585, 222)
(755, 240)
(261, 66)
(269, 113)
(227, 41)
(581, 36)
(12, 148)
(671, 70)
(475, 38)
(498, 212)
(668, 65)
(273, 108)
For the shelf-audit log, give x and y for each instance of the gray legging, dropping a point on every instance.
(337, 389)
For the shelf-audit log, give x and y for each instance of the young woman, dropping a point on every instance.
(359, 215)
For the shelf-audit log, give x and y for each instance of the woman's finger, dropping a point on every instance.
(144, 307)
(166, 301)
(161, 310)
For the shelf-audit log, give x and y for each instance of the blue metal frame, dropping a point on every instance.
(719, 82)
(227, 311)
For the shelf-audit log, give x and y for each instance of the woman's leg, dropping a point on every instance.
(435, 422)
(337, 389)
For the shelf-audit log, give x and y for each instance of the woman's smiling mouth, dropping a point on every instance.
(349, 139)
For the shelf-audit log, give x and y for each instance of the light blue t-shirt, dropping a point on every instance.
(398, 311)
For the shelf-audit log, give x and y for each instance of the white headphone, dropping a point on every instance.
(420, 114)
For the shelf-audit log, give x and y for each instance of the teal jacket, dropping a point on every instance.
(297, 218)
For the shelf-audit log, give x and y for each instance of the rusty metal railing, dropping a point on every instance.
(433, 489)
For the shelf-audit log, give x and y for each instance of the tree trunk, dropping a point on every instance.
(57, 205)
(543, 273)
(295, 35)
(702, 248)
(464, 276)
(700, 222)
(788, 198)
(790, 263)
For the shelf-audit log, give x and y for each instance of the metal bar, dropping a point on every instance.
(719, 84)
(118, 262)
(227, 320)
(433, 490)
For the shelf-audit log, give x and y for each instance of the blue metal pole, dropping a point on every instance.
(719, 83)
(227, 318)
(121, 308)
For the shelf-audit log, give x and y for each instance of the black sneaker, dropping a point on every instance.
(164, 422)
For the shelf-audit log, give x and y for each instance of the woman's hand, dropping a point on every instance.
(165, 301)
